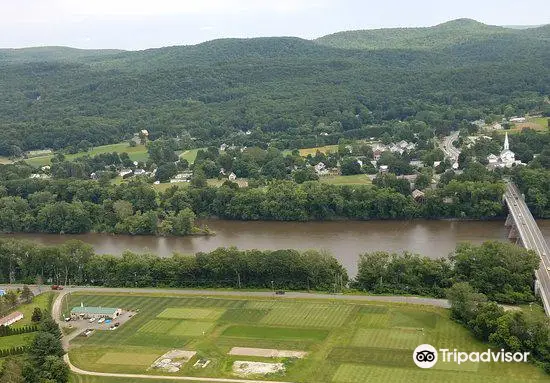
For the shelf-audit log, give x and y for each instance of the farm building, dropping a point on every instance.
(95, 312)
(11, 318)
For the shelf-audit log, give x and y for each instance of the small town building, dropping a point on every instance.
(418, 195)
(232, 177)
(125, 172)
(506, 159)
(10, 319)
(95, 312)
(320, 168)
(517, 119)
(139, 172)
(383, 169)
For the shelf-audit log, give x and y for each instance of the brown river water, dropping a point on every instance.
(344, 239)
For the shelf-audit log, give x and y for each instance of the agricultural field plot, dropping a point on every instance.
(309, 315)
(322, 149)
(345, 342)
(136, 153)
(190, 313)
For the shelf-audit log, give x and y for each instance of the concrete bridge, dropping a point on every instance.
(525, 232)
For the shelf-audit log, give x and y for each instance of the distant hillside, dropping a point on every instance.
(440, 36)
(282, 88)
(53, 54)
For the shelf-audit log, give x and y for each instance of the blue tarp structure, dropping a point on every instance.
(2, 293)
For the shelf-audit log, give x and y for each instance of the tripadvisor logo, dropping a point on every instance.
(426, 356)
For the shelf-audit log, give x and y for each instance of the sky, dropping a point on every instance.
(142, 24)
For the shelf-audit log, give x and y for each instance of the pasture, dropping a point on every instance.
(136, 153)
(346, 342)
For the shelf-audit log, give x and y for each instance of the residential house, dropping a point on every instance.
(383, 169)
(320, 169)
(139, 172)
(232, 176)
(10, 319)
(124, 173)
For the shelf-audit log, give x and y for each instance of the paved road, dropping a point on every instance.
(531, 238)
(447, 146)
(77, 370)
(288, 295)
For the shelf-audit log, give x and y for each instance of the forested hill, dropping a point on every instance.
(285, 90)
(449, 34)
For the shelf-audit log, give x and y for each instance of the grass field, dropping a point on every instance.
(5, 160)
(536, 123)
(347, 342)
(16, 340)
(43, 301)
(136, 153)
(356, 179)
(190, 155)
(322, 149)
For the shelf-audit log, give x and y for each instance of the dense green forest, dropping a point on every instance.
(285, 91)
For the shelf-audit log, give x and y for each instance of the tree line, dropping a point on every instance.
(503, 272)
(135, 207)
(515, 330)
(75, 262)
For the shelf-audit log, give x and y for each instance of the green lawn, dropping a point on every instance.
(190, 154)
(347, 342)
(43, 301)
(16, 340)
(356, 179)
(136, 153)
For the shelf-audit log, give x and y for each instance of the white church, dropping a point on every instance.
(506, 159)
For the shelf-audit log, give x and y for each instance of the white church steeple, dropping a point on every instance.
(506, 144)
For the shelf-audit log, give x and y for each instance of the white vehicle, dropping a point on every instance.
(101, 320)
(92, 320)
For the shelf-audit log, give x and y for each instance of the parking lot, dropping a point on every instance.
(82, 324)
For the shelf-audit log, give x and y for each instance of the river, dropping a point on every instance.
(344, 239)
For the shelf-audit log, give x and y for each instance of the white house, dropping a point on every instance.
(181, 177)
(125, 172)
(517, 119)
(383, 169)
(320, 168)
(232, 177)
(11, 318)
(223, 147)
(139, 172)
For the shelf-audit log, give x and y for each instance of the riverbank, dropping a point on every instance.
(344, 239)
